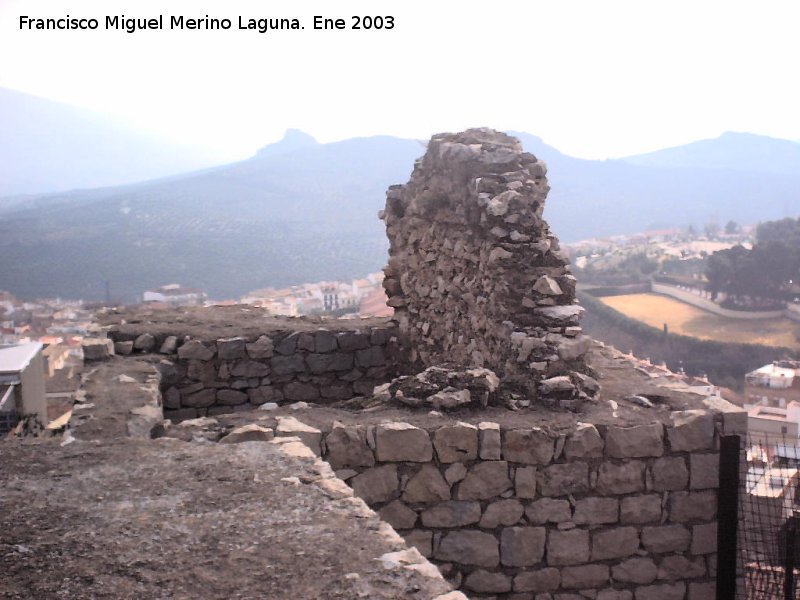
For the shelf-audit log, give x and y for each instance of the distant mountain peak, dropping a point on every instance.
(293, 139)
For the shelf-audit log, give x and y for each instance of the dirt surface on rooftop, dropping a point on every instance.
(217, 322)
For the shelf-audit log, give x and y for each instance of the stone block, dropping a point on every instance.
(231, 348)
(691, 430)
(469, 548)
(706, 590)
(692, 506)
(540, 581)
(421, 540)
(525, 482)
(618, 542)
(678, 566)
(522, 546)
(612, 594)
(617, 479)
(635, 442)
(298, 391)
(325, 341)
(370, 357)
(704, 538)
(666, 538)
(337, 391)
(454, 513)
(402, 442)
(248, 433)
(490, 445)
(249, 368)
(169, 346)
(485, 480)
(305, 341)
(172, 398)
(528, 446)
(347, 448)
(569, 547)
(548, 510)
(584, 442)
(502, 512)
(426, 485)
(261, 348)
(640, 509)
(350, 341)
(584, 577)
(486, 582)
(195, 350)
(378, 484)
(704, 470)
(596, 511)
(398, 515)
(123, 348)
(286, 365)
(662, 591)
(288, 345)
(332, 361)
(201, 399)
(455, 473)
(200, 370)
(563, 479)
(291, 427)
(456, 443)
(669, 473)
(231, 397)
(635, 570)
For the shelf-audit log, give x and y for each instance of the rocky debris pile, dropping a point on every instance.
(474, 274)
(442, 388)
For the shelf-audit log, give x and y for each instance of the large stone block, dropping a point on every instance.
(563, 479)
(379, 484)
(635, 570)
(490, 444)
(286, 365)
(704, 471)
(195, 350)
(485, 480)
(704, 538)
(398, 515)
(548, 510)
(350, 342)
(451, 514)
(333, 361)
(261, 348)
(299, 391)
(618, 542)
(666, 538)
(540, 581)
(325, 341)
(584, 577)
(370, 357)
(348, 449)
(231, 348)
(402, 442)
(669, 473)
(502, 512)
(528, 446)
(522, 546)
(635, 442)
(469, 548)
(421, 540)
(691, 430)
(679, 567)
(456, 443)
(617, 479)
(525, 482)
(487, 582)
(426, 485)
(291, 427)
(692, 506)
(596, 511)
(663, 591)
(640, 509)
(200, 399)
(231, 397)
(569, 547)
(705, 590)
(584, 442)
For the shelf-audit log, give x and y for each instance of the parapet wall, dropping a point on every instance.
(607, 512)
(296, 363)
(474, 274)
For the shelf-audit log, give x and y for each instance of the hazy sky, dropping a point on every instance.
(595, 79)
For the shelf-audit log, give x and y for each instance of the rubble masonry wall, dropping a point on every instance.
(621, 512)
(202, 377)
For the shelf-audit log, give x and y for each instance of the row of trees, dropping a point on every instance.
(764, 276)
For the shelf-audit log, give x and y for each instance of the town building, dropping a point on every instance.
(22, 386)
(175, 295)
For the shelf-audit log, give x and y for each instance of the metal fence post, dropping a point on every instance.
(727, 516)
(789, 561)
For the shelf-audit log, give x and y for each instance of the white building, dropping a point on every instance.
(22, 388)
(175, 295)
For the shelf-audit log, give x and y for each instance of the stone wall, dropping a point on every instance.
(208, 377)
(474, 274)
(605, 512)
